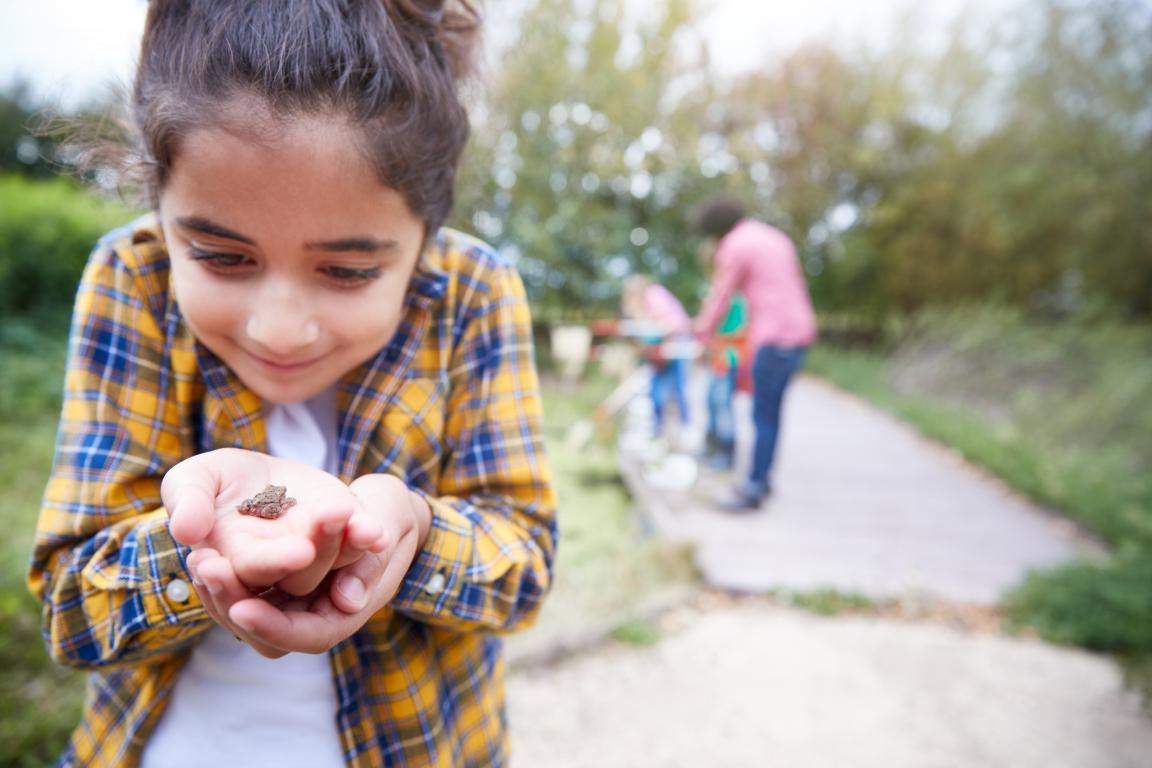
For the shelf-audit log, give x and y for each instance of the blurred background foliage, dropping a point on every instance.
(975, 219)
(1012, 165)
(47, 229)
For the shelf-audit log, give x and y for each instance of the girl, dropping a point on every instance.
(293, 315)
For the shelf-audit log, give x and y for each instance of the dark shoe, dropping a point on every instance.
(741, 501)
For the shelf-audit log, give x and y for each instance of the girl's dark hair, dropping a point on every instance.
(716, 217)
(390, 67)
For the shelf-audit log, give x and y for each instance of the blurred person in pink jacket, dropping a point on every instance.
(758, 261)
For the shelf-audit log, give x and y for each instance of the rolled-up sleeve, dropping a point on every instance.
(112, 581)
(487, 562)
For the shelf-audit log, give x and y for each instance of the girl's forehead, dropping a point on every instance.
(302, 145)
(309, 176)
(253, 120)
(251, 160)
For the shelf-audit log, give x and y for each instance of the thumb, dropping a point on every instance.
(189, 492)
(350, 584)
(374, 578)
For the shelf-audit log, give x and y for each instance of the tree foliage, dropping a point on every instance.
(1013, 164)
(47, 229)
(585, 150)
(21, 149)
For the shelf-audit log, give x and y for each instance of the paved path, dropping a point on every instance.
(862, 504)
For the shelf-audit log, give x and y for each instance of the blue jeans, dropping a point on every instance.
(772, 369)
(721, 434)
(671, 377)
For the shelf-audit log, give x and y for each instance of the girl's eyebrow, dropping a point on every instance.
(347, 244)
(206, 227)
(362, 243)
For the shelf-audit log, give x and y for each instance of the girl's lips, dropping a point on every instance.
(285, 367)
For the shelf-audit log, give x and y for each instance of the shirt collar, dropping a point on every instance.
(429, 280)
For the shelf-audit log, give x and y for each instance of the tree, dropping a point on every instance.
(21, 151)
(1013, 165)
(577, 161)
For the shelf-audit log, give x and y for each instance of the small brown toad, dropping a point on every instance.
(270, 503)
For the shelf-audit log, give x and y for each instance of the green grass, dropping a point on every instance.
(640, 632)
(41, 702)
(829, 602)
(1112, 602)
(1105, 607)
(604, 568)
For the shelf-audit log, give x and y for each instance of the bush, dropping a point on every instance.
(41, 702)
(47, 230)
(1102, 606)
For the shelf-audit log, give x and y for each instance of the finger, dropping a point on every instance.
(327, 535)
(312, 631)
(196, 556)
(221, 581)
(264, 562)
(365, 533)
(376, 498)
(189, 493)
(214, 594)
(221, 590)
(350, 584)
(208, 600)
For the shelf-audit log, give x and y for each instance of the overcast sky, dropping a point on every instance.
(71, 48)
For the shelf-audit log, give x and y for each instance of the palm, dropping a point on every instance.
(263, 551)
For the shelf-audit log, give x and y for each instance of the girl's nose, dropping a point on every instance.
(281, 325)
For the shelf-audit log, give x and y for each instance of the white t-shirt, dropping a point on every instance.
(230, 706)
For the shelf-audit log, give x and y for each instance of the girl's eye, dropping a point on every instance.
(351, 276)
(217, 260)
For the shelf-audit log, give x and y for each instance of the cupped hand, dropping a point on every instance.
(275, 624)
(332, 615)
(219, 589)
(325, 528)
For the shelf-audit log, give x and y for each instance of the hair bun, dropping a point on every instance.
(453, 25)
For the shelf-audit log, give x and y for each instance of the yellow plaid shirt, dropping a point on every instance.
(450, 405)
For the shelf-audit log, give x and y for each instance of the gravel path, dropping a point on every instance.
(757, 685)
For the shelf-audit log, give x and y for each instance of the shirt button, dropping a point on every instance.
(436, 583)
(178, 591)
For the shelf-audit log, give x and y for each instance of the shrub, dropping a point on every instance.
(1103, 606)
(41, 701)
(47, 230)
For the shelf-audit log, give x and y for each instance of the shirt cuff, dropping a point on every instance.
(435, 581)
(166, 591)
